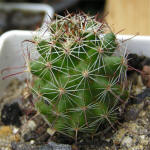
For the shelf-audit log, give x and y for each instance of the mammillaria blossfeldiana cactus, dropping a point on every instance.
(78, 79)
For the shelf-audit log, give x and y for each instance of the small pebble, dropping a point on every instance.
(15, 130)
(127, 141)
(31, 125)
(32, 142)
(51, 131)
(131, 114)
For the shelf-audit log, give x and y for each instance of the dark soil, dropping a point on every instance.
(10, 114)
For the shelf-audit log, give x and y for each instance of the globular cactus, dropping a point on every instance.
(77, 78)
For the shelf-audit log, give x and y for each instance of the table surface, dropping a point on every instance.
(131, 15)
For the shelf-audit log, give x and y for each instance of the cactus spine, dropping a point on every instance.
(77, 79)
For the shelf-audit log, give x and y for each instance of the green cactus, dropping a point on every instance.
(77, 77)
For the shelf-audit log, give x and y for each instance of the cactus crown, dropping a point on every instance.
(77, 79)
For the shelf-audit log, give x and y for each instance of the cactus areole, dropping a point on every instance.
(78, 79)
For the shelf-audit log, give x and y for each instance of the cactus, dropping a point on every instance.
(77, 78)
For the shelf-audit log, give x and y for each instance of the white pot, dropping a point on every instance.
(11, 50)
(11, 53)
(47, 9)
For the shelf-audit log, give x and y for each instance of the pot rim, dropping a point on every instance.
(47, 9)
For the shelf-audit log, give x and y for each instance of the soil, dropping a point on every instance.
(19, 19)
(10, 114)
(22, 128)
